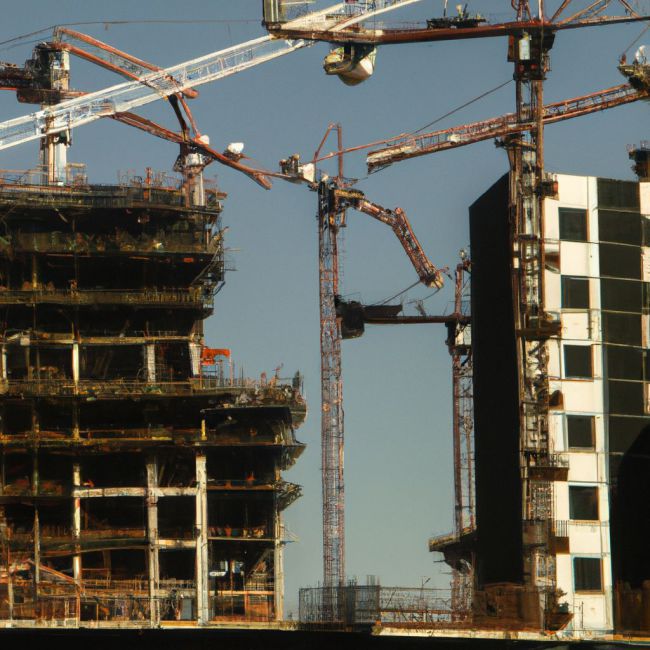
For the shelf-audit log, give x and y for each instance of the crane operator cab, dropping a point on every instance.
(352, 63)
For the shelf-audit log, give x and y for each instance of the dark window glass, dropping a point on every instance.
(621, 227)
(583, 502)
(618, 261)
(577, 361)
(625, 397)
(624, 431)
(622, 328)
(624, 362)
(573, 224)
(618, 194)
(621, 295)
(586, 574)
(580, 431)
(575, 293)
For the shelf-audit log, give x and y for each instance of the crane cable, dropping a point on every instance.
(18, 40)
(458, 108)
(333, 154)
(397, 295)
(635, 41)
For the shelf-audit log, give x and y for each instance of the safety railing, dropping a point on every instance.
(372, 604)
(27, 190)
(194, 296)
(58, 242)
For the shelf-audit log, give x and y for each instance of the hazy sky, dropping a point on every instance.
(397, 380)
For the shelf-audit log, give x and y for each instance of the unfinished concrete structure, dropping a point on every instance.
(140, 481)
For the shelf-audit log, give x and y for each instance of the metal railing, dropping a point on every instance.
(60, 242)
(28, 190)
(194, 296)
(373, 604)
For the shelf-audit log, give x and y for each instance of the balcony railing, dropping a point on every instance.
(249, 392)
(59, 242)
(193, 297)
(28, 192)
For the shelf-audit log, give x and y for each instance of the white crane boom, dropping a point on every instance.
(161, 83)
(127, 96)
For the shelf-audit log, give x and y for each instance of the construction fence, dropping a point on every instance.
(374, 604)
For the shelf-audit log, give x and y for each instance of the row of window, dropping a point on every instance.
(616, 295)
(621, 227)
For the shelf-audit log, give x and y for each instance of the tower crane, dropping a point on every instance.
(45, 80)
(335, 197)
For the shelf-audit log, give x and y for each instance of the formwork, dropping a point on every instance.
(140, 475)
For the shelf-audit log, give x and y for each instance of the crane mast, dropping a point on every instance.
(330, 220)
(528, 187)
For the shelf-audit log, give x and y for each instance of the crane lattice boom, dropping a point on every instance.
(412, 146)
(400, 225)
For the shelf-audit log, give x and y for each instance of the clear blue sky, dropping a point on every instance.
(397, 380)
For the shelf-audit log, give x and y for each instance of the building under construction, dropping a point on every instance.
(561, 542)
(140, 479)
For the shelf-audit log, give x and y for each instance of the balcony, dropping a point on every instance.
(548, 467)
(552, 534)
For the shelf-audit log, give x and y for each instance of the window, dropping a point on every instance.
(618, 261)
(621, 227)
(622, 328)
(583, 502)
(575, 293)
(573, 224)
(587, 574)
(621, 295)
(580, 431)
(577, 361)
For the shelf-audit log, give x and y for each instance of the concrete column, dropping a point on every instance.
(150, 361)
(202, 579)
(75, 362)
(76, 522)
(278, 568)
(152, 532)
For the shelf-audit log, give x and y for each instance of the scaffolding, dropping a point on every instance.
(140, 472)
